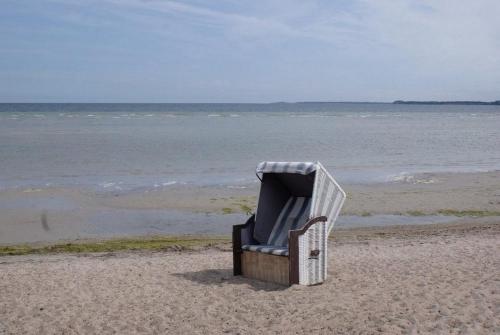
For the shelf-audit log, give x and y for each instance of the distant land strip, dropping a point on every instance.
(496, 103)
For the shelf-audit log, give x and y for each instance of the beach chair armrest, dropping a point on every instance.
(293, 247)
(242, 234)
(301, 231)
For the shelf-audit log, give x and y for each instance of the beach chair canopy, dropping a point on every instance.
(290, 194)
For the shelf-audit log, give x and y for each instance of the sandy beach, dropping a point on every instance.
(428, 279)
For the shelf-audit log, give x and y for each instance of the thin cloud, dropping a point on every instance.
(298, 50)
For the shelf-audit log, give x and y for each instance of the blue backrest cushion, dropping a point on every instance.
(293, 216)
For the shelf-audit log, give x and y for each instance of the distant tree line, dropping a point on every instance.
(497, 102)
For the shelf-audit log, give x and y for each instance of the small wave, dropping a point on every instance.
(408, 178)
(30, 190)
(164, 184)
(239, 187)
(214, 115)
(304, 115)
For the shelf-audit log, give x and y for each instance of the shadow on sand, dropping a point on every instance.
(219, 277)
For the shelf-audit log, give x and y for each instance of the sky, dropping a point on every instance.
(248, 51)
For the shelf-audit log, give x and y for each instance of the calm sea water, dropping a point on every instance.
(131, 146)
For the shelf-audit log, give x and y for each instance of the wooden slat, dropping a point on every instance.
(270, 268)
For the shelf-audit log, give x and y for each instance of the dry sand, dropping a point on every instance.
(433, 279)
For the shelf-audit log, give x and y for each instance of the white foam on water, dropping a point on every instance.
(407, 178)
(214, 115)
(30, 190)
(304, 115)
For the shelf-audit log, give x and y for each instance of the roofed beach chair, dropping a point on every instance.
(286, 240)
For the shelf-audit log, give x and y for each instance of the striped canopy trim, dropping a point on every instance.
(267, 249)
(285, 167)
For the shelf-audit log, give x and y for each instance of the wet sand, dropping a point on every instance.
(426, 192)
(51, 214)
(399, 280)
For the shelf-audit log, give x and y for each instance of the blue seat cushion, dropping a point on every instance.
(268, 249)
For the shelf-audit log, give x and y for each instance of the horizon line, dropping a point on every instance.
(398, 101)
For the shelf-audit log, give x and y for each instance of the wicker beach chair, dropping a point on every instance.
(286, 240)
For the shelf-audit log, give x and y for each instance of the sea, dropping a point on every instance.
(124, 147)
(108, 150)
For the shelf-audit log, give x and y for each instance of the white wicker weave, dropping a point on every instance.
(312, 270)
(327, 200)
(328, 197)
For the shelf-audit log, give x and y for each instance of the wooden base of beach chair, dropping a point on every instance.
(265, 267)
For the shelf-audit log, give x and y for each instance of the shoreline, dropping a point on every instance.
(54, 214)
(189, 243)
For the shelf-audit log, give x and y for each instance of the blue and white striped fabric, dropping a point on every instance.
(293, 216)
(268, 249)
(328, 197)
(285, 167)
